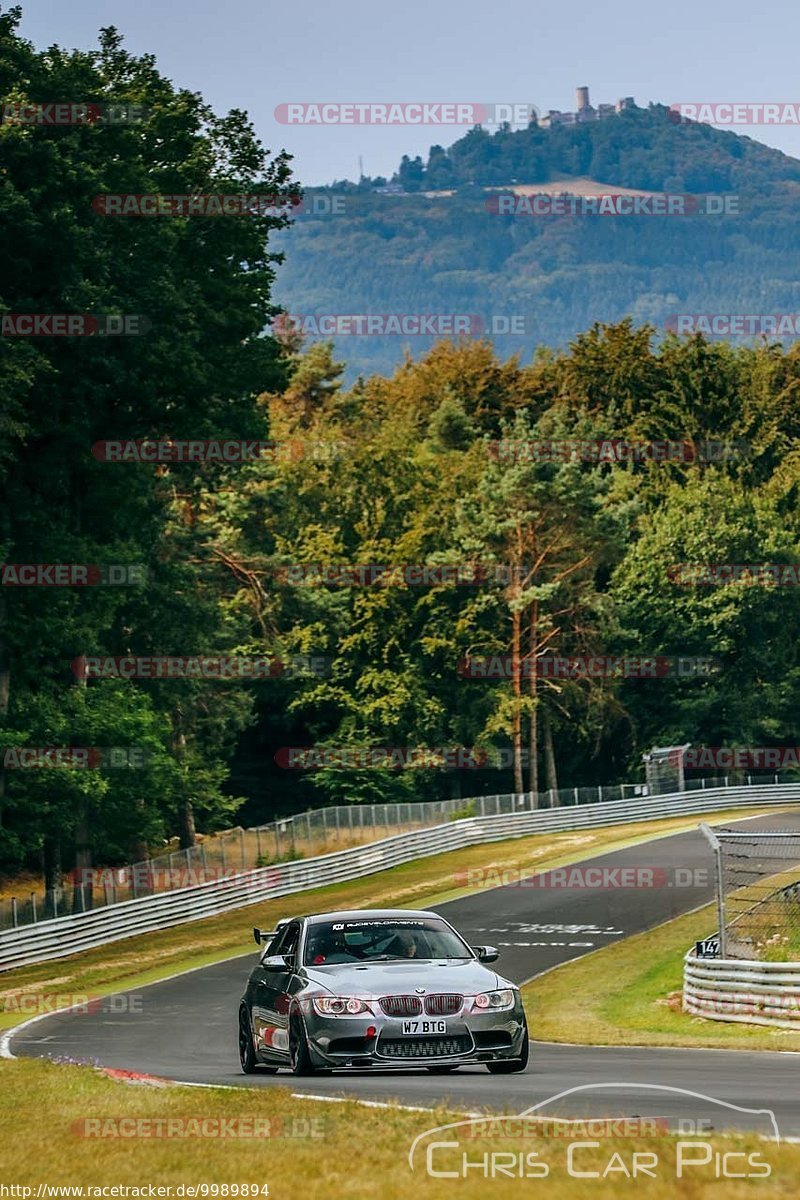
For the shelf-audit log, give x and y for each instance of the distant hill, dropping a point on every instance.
(406, 250)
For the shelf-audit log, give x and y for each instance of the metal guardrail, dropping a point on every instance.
(742, 990)
(67, 935)
(304, 835)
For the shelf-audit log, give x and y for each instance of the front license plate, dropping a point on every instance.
(424, 1027)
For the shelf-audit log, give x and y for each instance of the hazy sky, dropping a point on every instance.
(257, 54)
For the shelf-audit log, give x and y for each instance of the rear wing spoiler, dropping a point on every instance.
(264, 935)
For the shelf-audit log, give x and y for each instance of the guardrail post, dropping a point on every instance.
(14, 921)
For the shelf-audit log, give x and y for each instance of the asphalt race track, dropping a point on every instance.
(185, 1028)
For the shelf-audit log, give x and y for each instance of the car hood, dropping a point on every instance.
(404, 977)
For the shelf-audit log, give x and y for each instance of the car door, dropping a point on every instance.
(273, 991)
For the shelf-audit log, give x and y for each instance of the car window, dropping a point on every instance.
(285, 940)
(379, 939)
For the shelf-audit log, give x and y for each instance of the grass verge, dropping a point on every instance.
(172, 1137)
(628, 994)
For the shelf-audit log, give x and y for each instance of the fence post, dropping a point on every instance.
(716, 846)
(241, 843)
(350, 815)
(308, 821)
(338, 822)
(33, 906)
(258, 845)
(599, 793)
(14, 912)
(575, 796)
(294, 844)
(222, 851)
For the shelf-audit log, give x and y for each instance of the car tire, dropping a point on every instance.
(509, 1066)
(299, 1055)
(247, 1051)
(441, 1070)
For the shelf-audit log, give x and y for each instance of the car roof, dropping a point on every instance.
(365, 914)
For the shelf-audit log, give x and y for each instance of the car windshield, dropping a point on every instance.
(382, 940)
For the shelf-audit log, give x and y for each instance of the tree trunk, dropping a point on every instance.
(51, 864)
(533, 732)
(549, 756)
(5, 687)
(186, 827)
(516, 683)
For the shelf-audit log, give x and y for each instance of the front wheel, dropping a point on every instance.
(247, 1053)
(509, 1066)
(299, 1055)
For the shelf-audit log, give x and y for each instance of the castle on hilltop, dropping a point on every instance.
(585, 111)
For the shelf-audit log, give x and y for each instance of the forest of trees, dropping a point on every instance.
(391, 470)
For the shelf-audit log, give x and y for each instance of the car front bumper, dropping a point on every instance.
(483, 1037)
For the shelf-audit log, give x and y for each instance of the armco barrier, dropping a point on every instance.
(81, 931)
(743, 990)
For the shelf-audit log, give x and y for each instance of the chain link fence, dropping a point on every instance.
(758, 893)
(305, 835)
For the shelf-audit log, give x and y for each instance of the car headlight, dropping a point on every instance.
(493, 1001)
(340, 1006)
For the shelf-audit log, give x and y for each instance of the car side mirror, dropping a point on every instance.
(486, 954)
(277, 962)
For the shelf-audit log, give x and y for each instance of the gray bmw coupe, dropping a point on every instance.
(377, 988)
